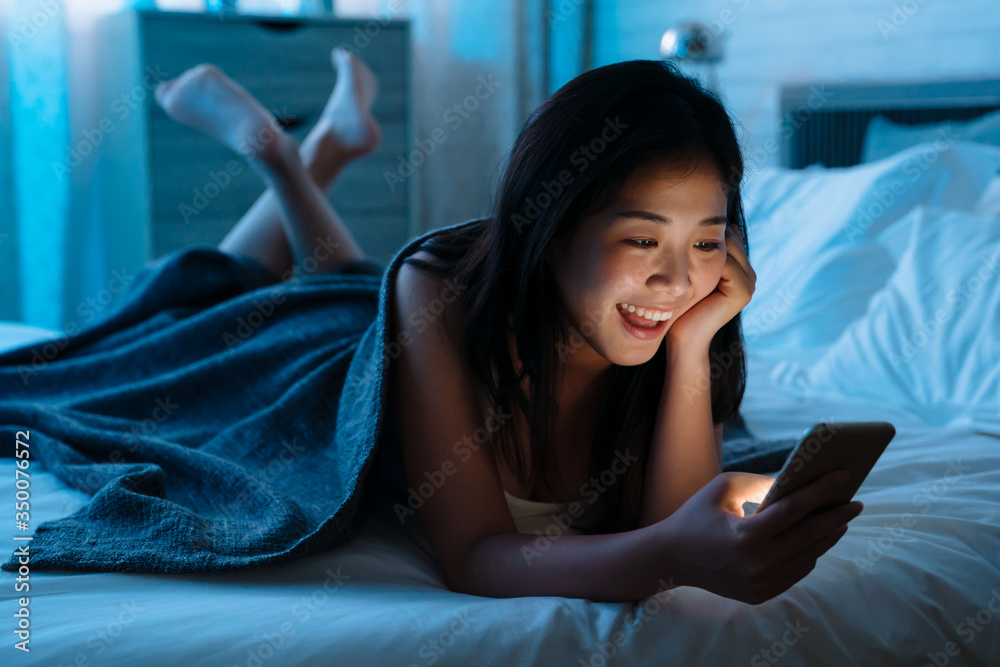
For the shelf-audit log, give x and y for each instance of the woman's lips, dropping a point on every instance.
(642, 332)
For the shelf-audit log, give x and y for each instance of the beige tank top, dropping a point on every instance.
(548, 518)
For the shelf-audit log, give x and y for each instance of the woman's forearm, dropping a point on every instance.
(618, 567)
(683, 454)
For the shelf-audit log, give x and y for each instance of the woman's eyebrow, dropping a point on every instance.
(665, 220)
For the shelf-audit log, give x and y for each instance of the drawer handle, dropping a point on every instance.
(280, 26)
(291, 122)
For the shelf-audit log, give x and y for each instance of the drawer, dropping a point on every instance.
(269, 58)
(298, 108)
(169, 236)
(297, 117)
(184, 162)
(380, 235)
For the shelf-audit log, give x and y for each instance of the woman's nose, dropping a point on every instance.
(671, 277)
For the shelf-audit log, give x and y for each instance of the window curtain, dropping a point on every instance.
(10, 297)
(34, 134)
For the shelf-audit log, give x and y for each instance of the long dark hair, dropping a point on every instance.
(626, 115)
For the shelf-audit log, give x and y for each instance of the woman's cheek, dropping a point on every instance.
(622, 277)
(710, 280)
(720, 264)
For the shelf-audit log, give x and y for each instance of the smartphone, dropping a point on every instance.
(829, 446)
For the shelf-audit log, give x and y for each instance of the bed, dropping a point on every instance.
(893, 317)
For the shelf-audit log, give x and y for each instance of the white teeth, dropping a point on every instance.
(647, 314)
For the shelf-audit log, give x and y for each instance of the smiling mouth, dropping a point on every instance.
(639, 326)
(643, 317)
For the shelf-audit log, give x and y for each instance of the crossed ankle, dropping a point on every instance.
(276, 156)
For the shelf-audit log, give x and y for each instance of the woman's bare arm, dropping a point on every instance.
(618, 567)
(684, 454)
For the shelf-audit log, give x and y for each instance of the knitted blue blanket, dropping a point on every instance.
(220, 419)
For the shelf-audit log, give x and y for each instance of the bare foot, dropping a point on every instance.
(204, 98)
(347, 122)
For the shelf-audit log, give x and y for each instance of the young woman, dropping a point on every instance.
(596, 310)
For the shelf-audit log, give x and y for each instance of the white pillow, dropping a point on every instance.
(812, 236)
(990, 201)
(884, 137)
(929, 338)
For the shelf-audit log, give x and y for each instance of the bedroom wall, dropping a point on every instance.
(770, 43)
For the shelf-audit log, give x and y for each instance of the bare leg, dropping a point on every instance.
(292, 220)
(346, 130)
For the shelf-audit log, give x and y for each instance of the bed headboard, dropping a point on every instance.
(827, 122)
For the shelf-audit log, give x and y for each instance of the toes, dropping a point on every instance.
(197, 75)
(162, 90)
(339, 56)
(206, 70)
(206, 73)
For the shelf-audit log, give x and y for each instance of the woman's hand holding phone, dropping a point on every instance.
(714, 546)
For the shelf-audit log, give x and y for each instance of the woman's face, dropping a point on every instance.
(661, 246)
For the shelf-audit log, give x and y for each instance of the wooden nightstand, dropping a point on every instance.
(165, 185)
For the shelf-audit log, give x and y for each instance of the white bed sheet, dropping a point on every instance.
(922, 559)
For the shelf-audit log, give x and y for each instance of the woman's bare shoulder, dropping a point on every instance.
(427, 298)
(410, 274)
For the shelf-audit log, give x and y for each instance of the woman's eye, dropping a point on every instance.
(704, 246)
